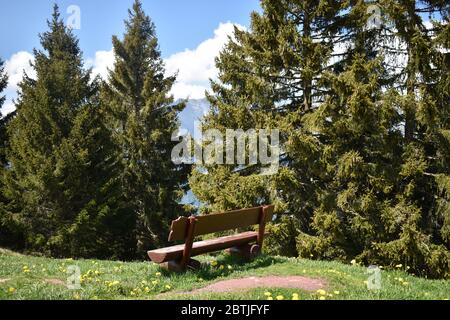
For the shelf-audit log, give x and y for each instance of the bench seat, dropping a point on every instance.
(200, 247)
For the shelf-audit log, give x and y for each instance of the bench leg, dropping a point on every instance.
(176, 266)
(248, 251)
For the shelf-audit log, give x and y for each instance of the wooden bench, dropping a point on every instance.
(178, 257)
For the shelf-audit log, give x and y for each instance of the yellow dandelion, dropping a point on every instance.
(280, 297)
(353, 262)
(230, 267)
(213, 263)
(336, 292)
(267, 294)
(322, 298)
(158, 274)
(221, 267)
(155, 282)
(76, 296)
(321, 292)
(147, 289)
(168, 287)
(399, 265)
(270, 298)
(11, 290)
(295, 296)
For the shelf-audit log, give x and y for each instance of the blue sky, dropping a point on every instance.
(191, 34)
(180, 24)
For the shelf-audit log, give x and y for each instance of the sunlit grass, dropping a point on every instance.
(26, 277)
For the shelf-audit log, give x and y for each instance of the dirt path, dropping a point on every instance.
(242, 284)
(294, 282)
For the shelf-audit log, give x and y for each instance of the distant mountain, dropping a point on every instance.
(195, 110)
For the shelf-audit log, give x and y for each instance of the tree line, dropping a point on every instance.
(359, 91)
(86, 168)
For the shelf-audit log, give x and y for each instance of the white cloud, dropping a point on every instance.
(195, 67)
(15, 68)
(103, 61)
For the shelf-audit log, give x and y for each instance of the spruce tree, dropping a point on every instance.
(59, 155)
(354, 184)
(143, 116)
(269, 79)
(3, 84)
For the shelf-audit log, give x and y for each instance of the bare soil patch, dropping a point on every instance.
(242, 284)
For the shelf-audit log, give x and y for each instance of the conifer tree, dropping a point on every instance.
(3, 84)
(269, 79)
(353, 183)
(143, 117)
(59, 155)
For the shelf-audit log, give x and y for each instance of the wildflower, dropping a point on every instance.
(230, 267)
(221, 267)
(267, 294)
(322, 298)
(280, 297)
(295, 296)
(321, 292)
(353, 262)
(336, 292)
(158, 274)
(399, 265)
(168, 287)
(155, 282)
(270, 298)
(11, 290)
(76, 296)
(147, 289)
(213, 263)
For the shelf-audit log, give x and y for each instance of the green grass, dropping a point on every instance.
(27, 277)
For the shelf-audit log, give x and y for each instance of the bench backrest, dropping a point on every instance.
(218, 222)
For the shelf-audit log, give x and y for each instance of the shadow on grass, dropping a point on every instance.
(227, 264)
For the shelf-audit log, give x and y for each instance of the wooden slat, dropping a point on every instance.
(227, 221)
(200, 247)
(178, 229)
(217, 222)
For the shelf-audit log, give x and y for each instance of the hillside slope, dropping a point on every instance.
(27, 277)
